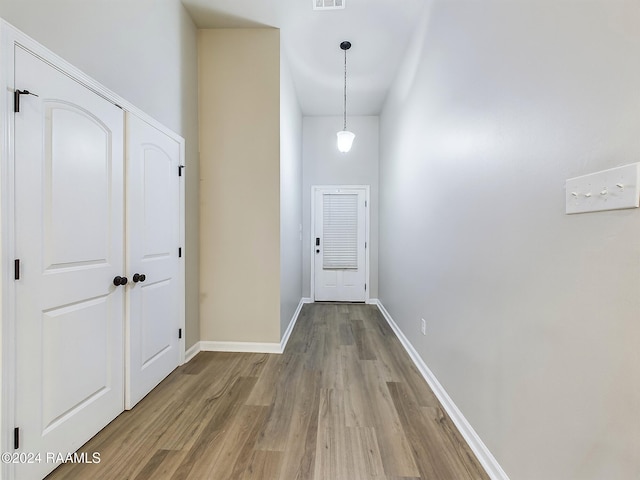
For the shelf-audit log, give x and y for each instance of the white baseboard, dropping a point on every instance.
(247, 347)
(292, 323)
(488, 461)
(373, 301)
(192, 352)
(242, 347)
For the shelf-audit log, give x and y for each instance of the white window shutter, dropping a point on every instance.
(340, 231)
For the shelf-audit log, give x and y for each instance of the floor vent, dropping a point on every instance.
(328, 4)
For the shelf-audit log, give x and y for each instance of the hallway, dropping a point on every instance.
(343, 402)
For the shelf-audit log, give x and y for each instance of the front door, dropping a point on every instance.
(69, 221)
(339, 247)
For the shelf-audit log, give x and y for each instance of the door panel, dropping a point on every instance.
(85, 320)
(69, 238)
(153, 226)
(340, 258)
(156, 299)
(66, 160)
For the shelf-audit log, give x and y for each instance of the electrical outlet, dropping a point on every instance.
(423, 327)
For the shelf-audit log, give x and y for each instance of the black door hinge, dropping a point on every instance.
(180, 167)
(16, 438)
(365, 287)
(179, 252)
(16, 269)
(179, 333)
(16, 98)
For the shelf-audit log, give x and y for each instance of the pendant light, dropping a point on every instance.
(345, 137)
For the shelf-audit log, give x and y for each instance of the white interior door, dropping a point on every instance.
(339, 248)
(153, 233)
(69, 239)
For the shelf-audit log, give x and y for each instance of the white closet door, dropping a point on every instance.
(69, 239)
(153, 233)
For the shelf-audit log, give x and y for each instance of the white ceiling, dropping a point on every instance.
(378, 30)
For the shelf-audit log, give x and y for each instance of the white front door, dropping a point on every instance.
(69, 240)
(153, 232)
(339, 247)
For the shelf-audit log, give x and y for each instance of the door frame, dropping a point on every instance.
(367, 239)
(10, 37)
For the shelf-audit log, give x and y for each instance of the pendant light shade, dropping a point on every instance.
(345, 140)
(345, 137)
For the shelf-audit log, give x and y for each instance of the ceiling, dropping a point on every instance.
(379, 31)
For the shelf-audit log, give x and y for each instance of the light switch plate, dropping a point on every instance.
(612, 189)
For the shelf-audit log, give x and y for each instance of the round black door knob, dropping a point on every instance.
(139, 277)
(120, 281)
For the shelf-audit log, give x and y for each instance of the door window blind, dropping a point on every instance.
(340, 230)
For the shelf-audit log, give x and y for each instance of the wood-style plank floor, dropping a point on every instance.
(344, 401)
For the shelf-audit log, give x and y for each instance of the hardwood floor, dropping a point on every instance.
(343, 401)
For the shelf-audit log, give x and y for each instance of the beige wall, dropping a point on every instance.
(239, 103)
(532, 315)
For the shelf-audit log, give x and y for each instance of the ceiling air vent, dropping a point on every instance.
(328, 4)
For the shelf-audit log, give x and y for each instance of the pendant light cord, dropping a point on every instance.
(345, 90)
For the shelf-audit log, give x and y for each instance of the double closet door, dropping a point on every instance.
(97, 201)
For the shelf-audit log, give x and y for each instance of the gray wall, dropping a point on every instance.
(146, 52)
(290, 197)
(532, 315)
(323, 164)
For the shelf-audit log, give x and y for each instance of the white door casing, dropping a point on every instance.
(339, 243)
(153, 239)
(69, 225)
